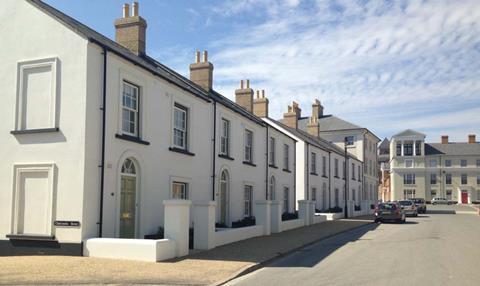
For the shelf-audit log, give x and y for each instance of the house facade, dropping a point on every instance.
(427, 170)
(384, 190)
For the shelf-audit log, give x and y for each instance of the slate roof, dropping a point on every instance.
(384, 147)
(453, 149)
(145, 62)
(312, 140)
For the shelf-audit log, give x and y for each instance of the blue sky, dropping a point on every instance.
(384, 65)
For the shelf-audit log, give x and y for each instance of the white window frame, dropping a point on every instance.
(324, 166)
(350, 142)
(247, 197)
(463, 161)
(272, 147)
(272, 188)
(409, 179)
(314, 193)
(286, 199)
(225, 137)
(462, 176)
(248, 146)
(433, 163)
(335, 168)
(409, 163)
(184, 195)
(136, 111)
(286, 156)
(449, 163)
(433, 179)
(19, 169)
(177, 107)
(448, 177)
(52, 63)
(313, 162)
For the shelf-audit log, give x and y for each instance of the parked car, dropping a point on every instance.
(441, 201)
(408, 207)
(421, 205)
(391, 211)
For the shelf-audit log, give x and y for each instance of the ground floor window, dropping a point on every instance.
(286, 192)
(314, 194)
(449, 194)
(433, 193)
(354, 196)
(408, 194)
(248, 191)
(337, 198)
(180, 191)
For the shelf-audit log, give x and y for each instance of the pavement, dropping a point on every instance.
(438, 248)
(211, 267)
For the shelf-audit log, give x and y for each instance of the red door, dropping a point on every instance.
(464, 198)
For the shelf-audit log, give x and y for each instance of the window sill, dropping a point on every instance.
(272, 166)
(323, 176)
(336, 177)
(249, 163)
(33, 131)
(286, 170)
(225, 157)
(312, 173)
(131, 139)
(31, 237)
(181, 151)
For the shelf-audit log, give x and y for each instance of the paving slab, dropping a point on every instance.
(201, 268)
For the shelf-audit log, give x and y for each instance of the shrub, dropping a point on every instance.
(289, 216)
(335, 210)
(358, 208)
(247, 221)
(158, 235)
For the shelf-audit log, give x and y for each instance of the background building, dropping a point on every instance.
(384, 191)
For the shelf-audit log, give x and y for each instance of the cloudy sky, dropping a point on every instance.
(384, 65)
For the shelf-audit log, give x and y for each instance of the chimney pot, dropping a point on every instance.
(197, 57)
(291, 117)
(241, 84)
(263, 93)
(135, 9)
(201, 73)
(245, 96)
(205, 56)
(444, 139)
(472, 139)
(126, 10)
(248, 83)
(260, 104)
(313, 127)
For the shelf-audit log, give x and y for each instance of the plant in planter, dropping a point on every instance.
(289, 216)
(247, 221)
(335, 210)
(357, 208)
(220, 225)
(158, 235)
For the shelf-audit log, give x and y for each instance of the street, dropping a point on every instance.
(441, 247)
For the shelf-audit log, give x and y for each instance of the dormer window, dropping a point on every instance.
(418, 148)
(408, 149)
(399, 149)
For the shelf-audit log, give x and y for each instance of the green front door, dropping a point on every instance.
(128, 204)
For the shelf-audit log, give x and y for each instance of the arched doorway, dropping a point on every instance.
(128, 199)
(223, 199)
(271, 189)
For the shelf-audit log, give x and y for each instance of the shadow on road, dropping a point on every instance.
(324, 248)
(441, 212)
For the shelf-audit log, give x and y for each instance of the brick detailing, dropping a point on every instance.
(260, 104)
(313, 126)
(244, 96)
(291, 117)
(317, 109)
(130, 31)
(201, 72)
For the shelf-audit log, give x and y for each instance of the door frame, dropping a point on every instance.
(119, 195)
(227, 196)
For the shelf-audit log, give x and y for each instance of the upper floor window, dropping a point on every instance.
(130, 110)
(336, 168)
(408, 163)
(313, 164)
(344, 170)
(359, 174)
(464, 179)
(478, 182)
(180, 126)
(448, 179)
(418, 148)
(478, 163)
(408, 149)
(353, 171)
(350, 140)
(248, 156)
(271, 193)
(409, 179)
(463, 163)
(433, 163)
(225, 138)
(272, 151)
(180, 191)
(286, 158)
(399, 149)
(448, 163)
(433, 179)
(324, 166)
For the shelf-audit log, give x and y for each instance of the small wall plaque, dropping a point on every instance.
(67, 223)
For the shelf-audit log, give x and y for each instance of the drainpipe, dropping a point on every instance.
(329, 180)
(266, 166)
(102, 165)
(214, 140)
(346, 179)
(308, 171)
(294, 176)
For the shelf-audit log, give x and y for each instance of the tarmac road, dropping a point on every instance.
(441, 247)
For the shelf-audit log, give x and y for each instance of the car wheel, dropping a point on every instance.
(416, 214)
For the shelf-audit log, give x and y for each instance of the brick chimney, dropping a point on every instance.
(260, 104)
(472, 139)
(444, 139)
(201, 72)
(130, 30)
(313, 126)
(244, 96)
(317, 109)
(291, 117)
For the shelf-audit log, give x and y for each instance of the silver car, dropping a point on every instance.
(441, 201)
(408, 207)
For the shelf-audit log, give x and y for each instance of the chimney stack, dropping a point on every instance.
(313, 126)
(260, 104)
(244, 96)
(472, 139)
(291, 117)
(130, 30)
(444, 139)
(317, 109)
(201, 72)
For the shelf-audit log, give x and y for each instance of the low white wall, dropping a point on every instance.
(359, 213)
(293, 223)
(130, 249)
(333, 216)
(318, 218)
(229, 235)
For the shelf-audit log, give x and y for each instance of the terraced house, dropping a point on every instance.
(427, 170)
(98, 139)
